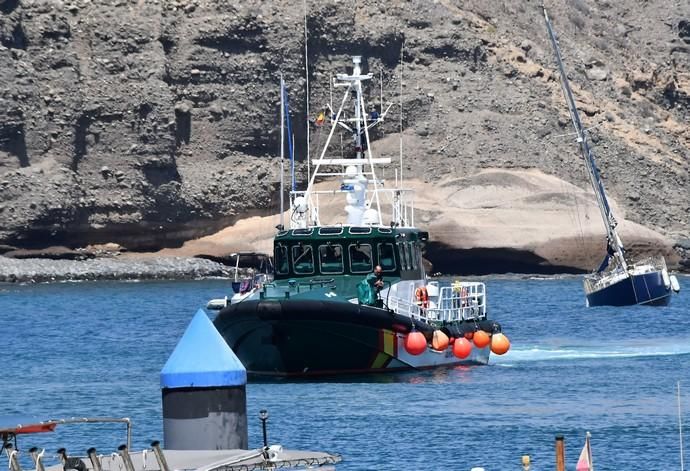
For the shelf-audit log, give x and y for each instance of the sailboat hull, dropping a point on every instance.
(315, 338)
(644, 288)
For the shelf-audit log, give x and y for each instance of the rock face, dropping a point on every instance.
(495, 221)
(150, 123)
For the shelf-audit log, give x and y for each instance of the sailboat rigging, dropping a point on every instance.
(617, 282)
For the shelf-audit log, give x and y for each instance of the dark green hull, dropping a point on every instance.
(316, 337)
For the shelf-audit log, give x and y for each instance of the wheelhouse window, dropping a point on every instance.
(387, 256)
(330, 230)
(360, 258)
(281, 257)
(403, 256)
(302, 259)
(411, 255)
(331, 258)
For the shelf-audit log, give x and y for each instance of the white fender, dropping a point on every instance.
(675, 286)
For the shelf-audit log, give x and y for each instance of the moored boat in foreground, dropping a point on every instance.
(617, 281)
(316, 317)
(123, 458)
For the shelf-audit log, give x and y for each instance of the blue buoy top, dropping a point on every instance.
(202, 359)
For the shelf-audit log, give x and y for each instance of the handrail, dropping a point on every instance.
(450, 305)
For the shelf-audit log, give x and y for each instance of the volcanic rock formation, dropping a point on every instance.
(150, 123)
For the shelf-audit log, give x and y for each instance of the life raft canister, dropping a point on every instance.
(422, 296)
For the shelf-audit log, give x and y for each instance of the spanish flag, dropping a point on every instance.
(320, 119)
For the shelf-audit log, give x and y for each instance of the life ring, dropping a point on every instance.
(422, 296)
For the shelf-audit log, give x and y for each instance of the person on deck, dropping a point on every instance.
(369, 289)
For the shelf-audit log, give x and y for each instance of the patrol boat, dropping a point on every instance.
(310, 321)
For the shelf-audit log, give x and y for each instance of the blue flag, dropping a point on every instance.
(288, 125)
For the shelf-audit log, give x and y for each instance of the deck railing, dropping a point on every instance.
(596, 281)
(460, 301)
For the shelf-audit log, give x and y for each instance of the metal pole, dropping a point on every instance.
(93, 456)
(381, 92)
(263, 415)
(680, 430)
(160, 457)
(402, 53)
(282, 149)
(306, 74)
(126, 459)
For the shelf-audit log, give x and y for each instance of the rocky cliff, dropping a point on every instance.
(148, 123)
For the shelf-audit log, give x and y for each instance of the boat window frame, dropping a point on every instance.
(412, 254)
(378, 254)
(342, 259)
(306, 248)
(287, 259)
(357, 230)
(331, 230)
(403, 256)
(371, 257)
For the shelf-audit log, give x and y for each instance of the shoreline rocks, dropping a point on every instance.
(40, 270)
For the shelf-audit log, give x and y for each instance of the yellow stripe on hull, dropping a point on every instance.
(389, 342)
(380, 361)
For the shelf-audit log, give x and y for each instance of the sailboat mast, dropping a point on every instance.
(587, 154)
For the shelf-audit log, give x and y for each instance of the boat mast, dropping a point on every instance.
(306, 76)
(609, 221)
(282, 150)
(402, 216)
(355, 181)
(402, 55)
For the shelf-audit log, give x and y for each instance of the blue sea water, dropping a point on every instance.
(96, 349)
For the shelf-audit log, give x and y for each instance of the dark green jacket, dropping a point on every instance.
(367, 293)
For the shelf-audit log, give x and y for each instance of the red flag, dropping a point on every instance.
(584, 462)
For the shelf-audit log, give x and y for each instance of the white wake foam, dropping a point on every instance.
(648, 348)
